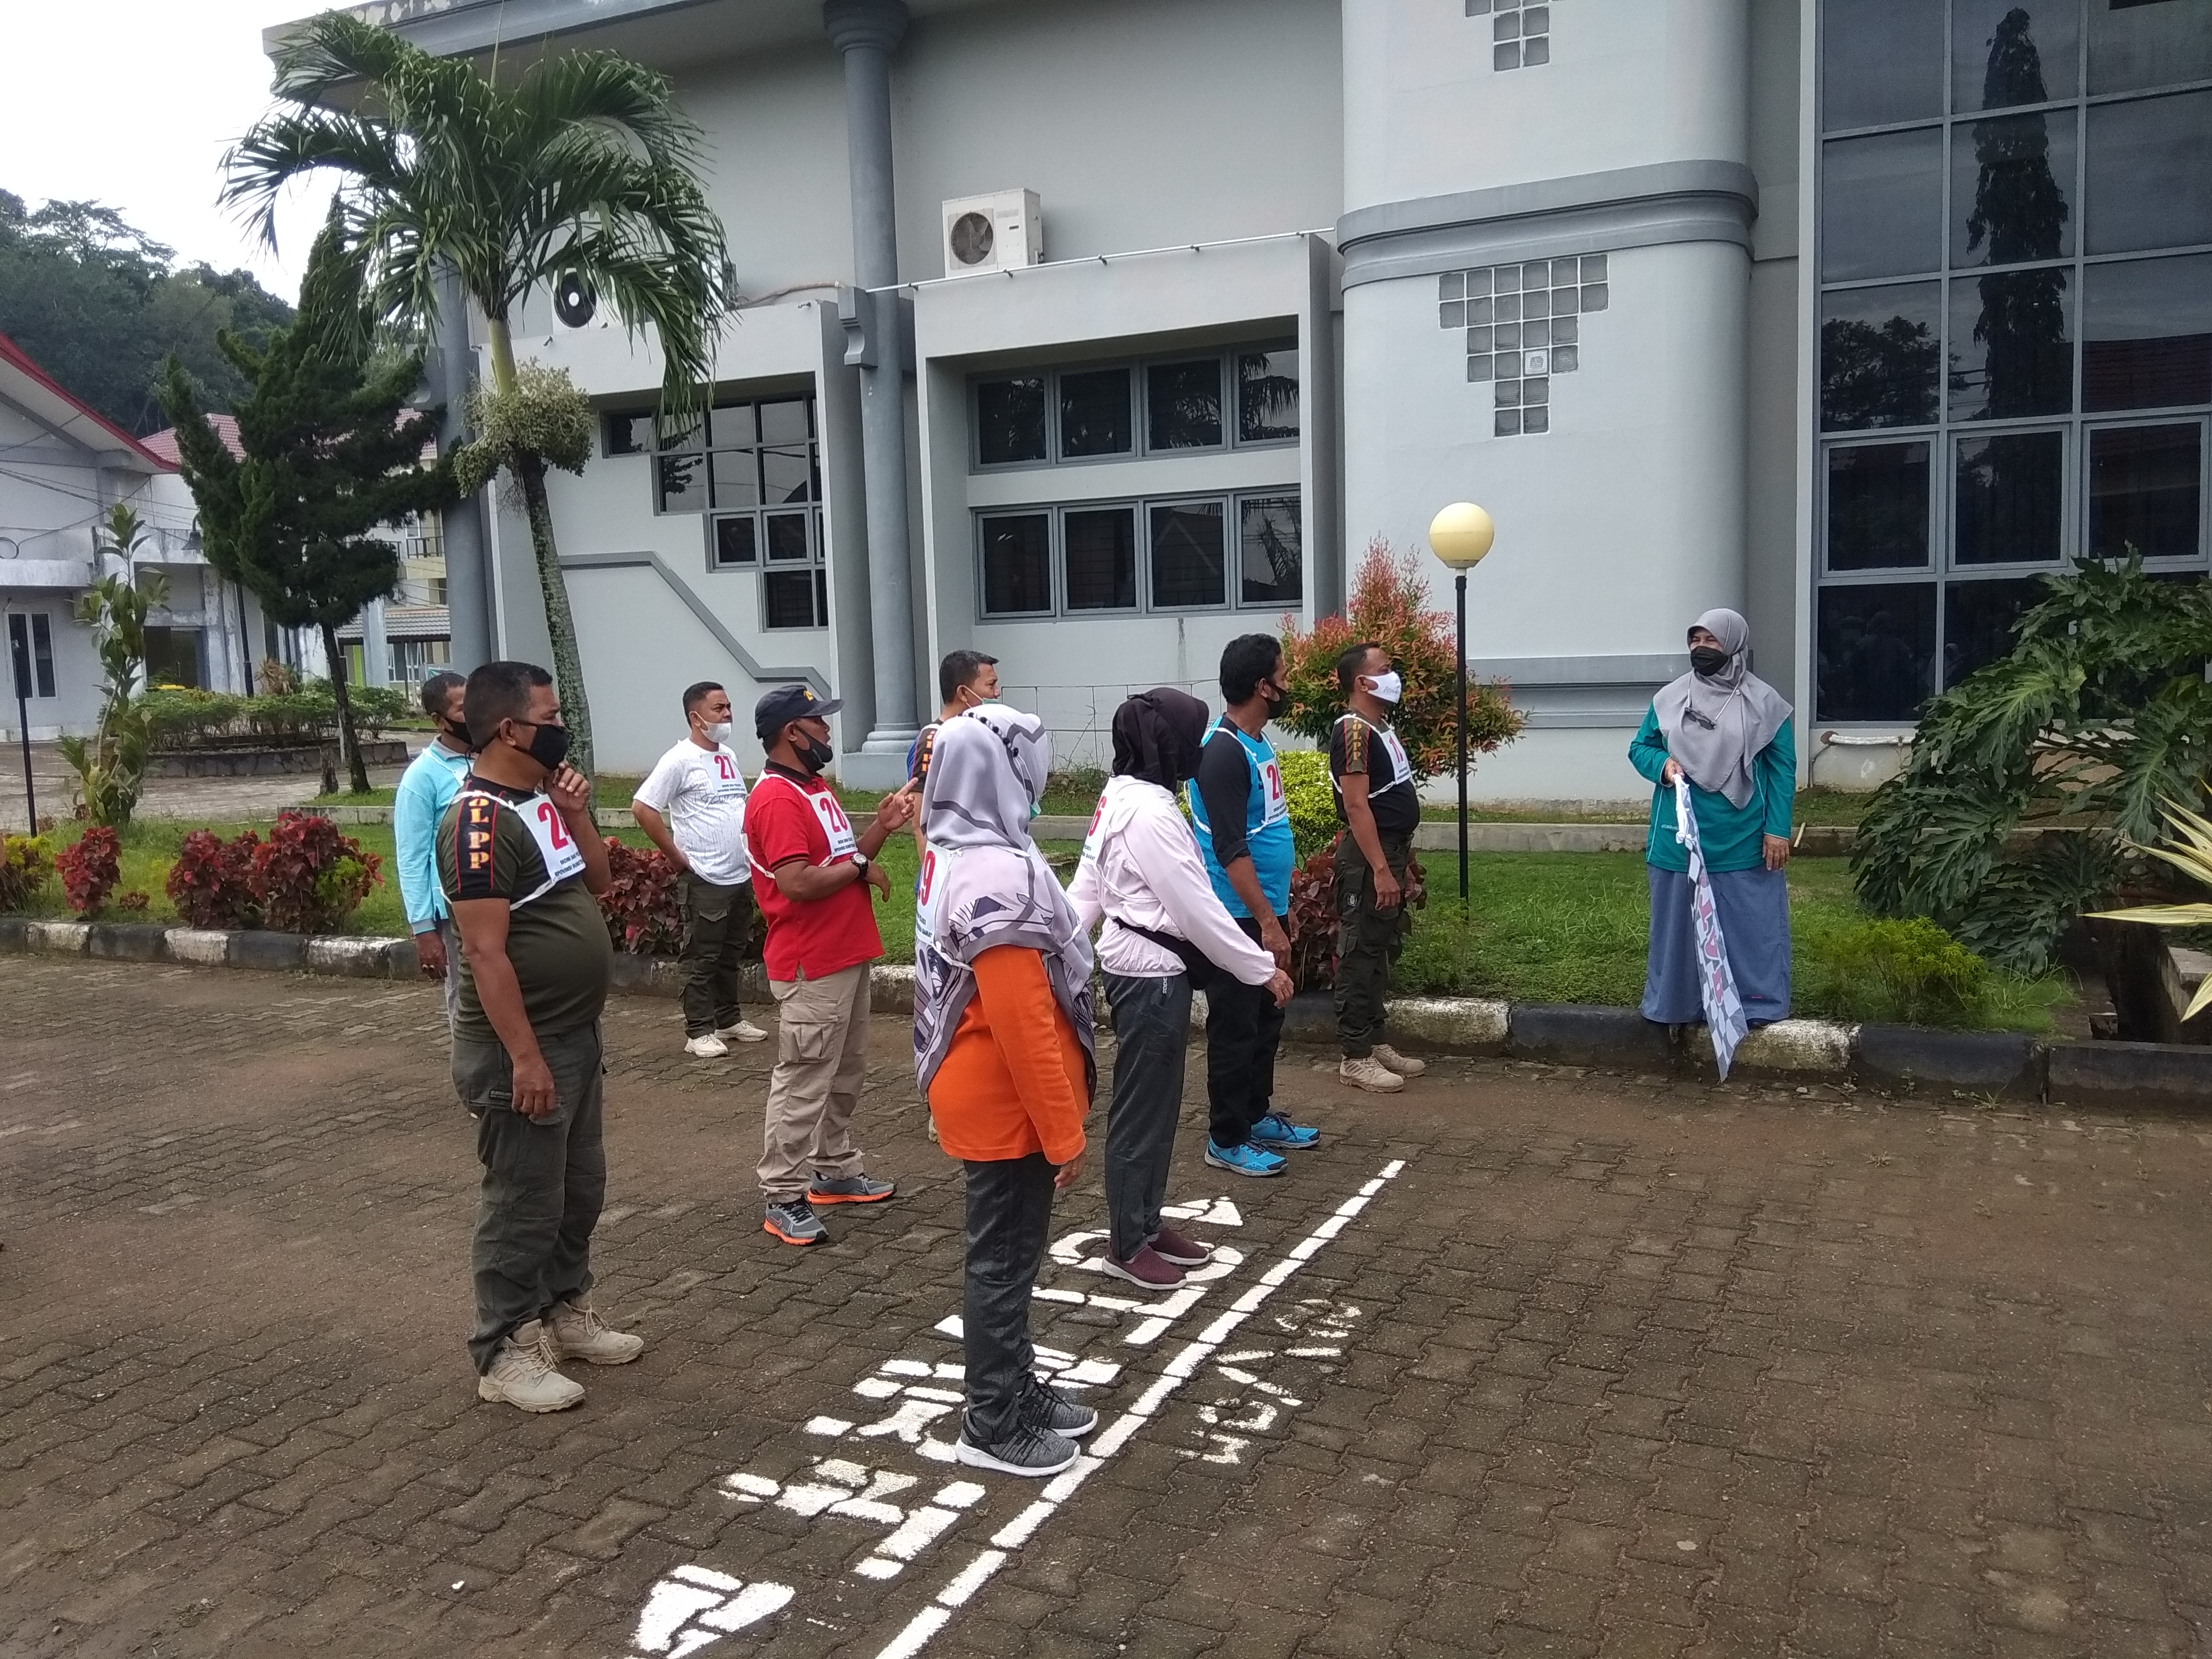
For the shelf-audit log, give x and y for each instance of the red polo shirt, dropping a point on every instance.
(791, 815)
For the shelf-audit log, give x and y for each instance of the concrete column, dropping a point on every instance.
(376, 657)
(468, 574)
(866, 32)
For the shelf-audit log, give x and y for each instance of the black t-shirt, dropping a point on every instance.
(1356, 746)
(1224, 784)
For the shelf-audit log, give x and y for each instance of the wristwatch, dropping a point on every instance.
(860, 862)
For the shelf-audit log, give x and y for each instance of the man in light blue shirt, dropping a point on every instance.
(427, 788)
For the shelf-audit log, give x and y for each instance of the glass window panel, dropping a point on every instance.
(1563, 273)
(1267, 395)
(1536, 334)
(1535, 51)
(1537, 302)
(1101, 558)
(1506, 337)
(1481, 311)
(1596, 297)
(1882, 204)
(2012, 188)
(1094, 413)
(1478, 8)
(2011, 345)
(735, 541)
(1009, 420)
(1271, 563)
(1977, 619)
(787, 420)
(2146, 491)
(786, 538)
(1508, 307)
(1506, 26)
(1878, 507)
(788, 475)
(737, 477)
(1450, 313)
(1565, 360)
(1507, 392)
(1565, 330)
(1018, 564)
(1478, 367)
(1188, 555)
(1536, 420)
(1506, 55)
(1593, 267)
(1508, 422)
(1478, 282)
(1880, 61)
(628, 434)
(1536, 19)
(2009, 498)
(2148, 43)
(1183, 405)
(1536, 275)
(682, 482)
(1509, 278)
(1875, 653)
(791, 599)
(1879, 354)
(2146, 333)
(1451, 285)
(2147, 184)
(732, 424)
(2007, 52)
(1478, 339)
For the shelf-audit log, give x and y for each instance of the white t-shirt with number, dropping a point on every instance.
(702, 793)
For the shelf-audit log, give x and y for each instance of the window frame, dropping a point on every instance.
(1055, 513)
(1930, 440)
(817, 562)
(1139, 368)
(2202, 559)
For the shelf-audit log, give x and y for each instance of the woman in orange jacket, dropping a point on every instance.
(1002, 1043)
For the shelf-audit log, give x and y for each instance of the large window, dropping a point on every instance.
(1184, 553)
(2015, 321)
(1211, 401)
(31, 642)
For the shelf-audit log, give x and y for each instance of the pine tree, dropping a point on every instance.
(331, 451)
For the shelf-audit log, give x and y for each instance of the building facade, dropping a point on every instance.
(1092, 334)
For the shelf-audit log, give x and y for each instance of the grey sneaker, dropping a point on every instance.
(1046, 1408)
(1030, 1451)
(795, 1223)
(850, 1190)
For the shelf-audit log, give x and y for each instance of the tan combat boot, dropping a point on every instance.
(1403, 1065)
(1371, 1074)
(579, 1333)
(522, 1373)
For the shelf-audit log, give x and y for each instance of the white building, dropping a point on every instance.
(1851, 314)
(61, 468)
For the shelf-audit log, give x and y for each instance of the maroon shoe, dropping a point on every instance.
(1171, 1246)
(1147, 1270)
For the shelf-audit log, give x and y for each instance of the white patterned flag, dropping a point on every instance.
(1715, 981)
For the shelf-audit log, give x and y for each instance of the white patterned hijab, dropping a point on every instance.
(1718, 725)
(983, 882)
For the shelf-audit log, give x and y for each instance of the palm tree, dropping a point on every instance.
(583, 164)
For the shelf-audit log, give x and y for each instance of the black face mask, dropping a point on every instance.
(814, 751)
(1709, 659)
(549, 745)
(1273, 694)
(456, 735)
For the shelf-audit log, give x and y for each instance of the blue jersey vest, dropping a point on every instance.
(1266, 826)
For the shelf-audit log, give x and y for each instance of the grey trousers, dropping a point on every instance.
(1152, 1034)
(543, 1182)
(1008, 1216)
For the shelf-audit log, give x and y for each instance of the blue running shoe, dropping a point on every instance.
(1276, 1130)
(1245, 1160)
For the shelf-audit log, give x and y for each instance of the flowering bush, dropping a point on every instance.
(1388, 600)
(90, 869)
(308, 878)
(211, 882)
(26, 861)
(643, 909)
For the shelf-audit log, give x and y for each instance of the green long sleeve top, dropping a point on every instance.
(1729, 834)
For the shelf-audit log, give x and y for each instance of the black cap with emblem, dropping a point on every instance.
(782, 704)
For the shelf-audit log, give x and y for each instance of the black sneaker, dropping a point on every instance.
(1026, 1450)
(1046, 1408)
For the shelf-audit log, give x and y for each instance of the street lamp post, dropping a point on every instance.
(1460, 536)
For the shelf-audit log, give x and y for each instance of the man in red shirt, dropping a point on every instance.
(821, 937)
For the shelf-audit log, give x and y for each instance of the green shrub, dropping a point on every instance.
(1906, 971)
(26, 861)
(1313, 807)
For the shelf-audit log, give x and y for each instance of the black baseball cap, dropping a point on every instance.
(782, 704)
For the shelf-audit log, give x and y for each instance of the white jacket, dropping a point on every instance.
(1141, 864)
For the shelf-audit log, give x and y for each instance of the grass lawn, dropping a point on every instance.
(612, 789)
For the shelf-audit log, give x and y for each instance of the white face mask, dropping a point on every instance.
(718, 733)
(1388, 687)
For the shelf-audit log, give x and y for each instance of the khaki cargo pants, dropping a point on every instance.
(821, 1060)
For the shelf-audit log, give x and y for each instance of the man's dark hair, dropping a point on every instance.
(696, 695)
(1245, 661)
(1354, 662)
(499, 691)
(960, 668)
(434, 690)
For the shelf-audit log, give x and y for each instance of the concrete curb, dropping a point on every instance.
(1896, 1060)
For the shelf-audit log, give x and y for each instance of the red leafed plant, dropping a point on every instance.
(211, 882)
(1312, 921)
(308, 878)
(135, 903)
(642, 905)
(90, 868)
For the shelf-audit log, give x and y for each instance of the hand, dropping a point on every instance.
(1275, 941)
(1388, 895)
(675, 856)
(1670, 771)
(1281, 987)
(1776, 850)
(879, 878)
(571, 791)
(896, 810)
(533, 1088)
(431, 954)
(1067, 1174)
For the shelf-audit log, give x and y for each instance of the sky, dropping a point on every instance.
(131, 103)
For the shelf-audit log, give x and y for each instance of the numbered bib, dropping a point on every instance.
(929, 890)
(1275, 806)
(835, 824)
(1398, 758)
(555, 846)
(724, 781)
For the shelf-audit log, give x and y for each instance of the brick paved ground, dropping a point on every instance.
(1608, 1367)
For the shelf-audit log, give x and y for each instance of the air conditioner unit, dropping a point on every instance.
(997, 232)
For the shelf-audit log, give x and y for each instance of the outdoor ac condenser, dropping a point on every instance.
(997, 232)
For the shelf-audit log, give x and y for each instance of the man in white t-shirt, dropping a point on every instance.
(692, 807)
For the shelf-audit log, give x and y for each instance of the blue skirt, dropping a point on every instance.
(1753, 906)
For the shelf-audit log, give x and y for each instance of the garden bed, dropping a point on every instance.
(251, 760)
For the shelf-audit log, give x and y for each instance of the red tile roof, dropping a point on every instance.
(164, 442)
